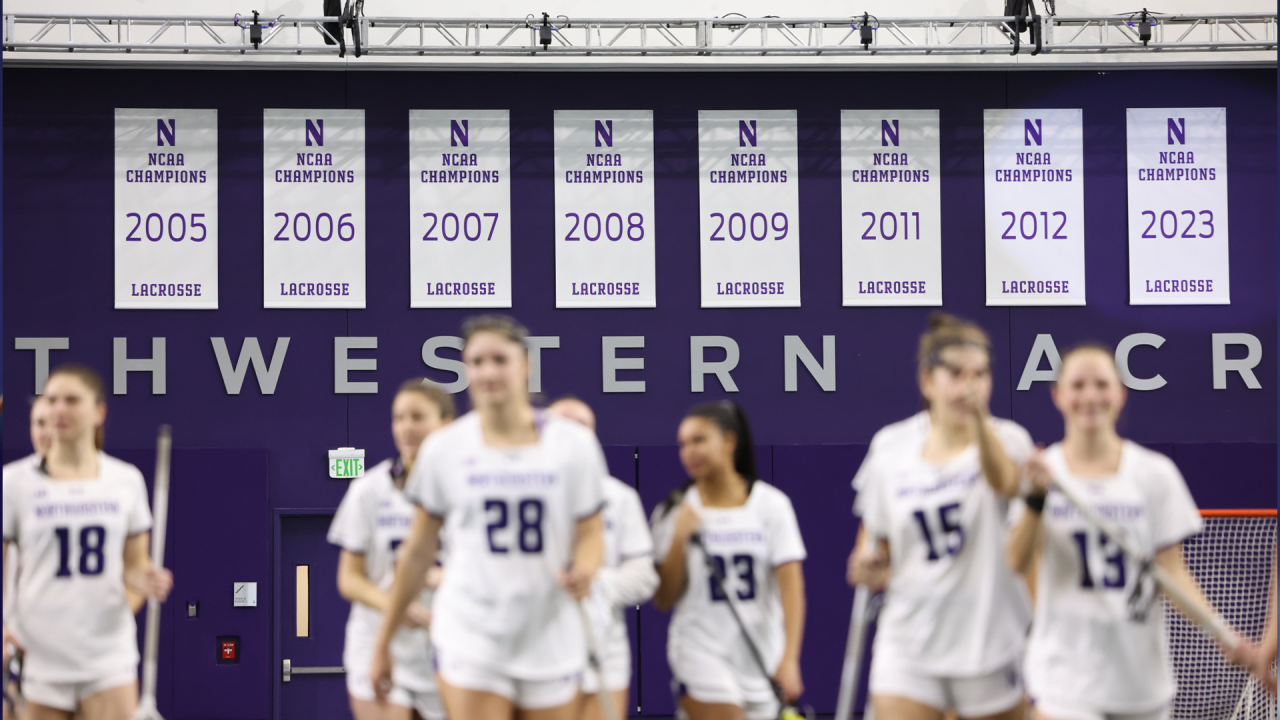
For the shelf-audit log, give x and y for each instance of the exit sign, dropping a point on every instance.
(346, 463)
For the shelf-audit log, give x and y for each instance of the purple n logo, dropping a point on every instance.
(604, 133)
(1178, 130)
(166, 132)
(1032, 132)
(315, 132)
(888, 132)
(746, 133)
(458, 133)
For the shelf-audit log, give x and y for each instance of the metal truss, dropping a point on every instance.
(405, 38)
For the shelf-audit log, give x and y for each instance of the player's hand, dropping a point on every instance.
(576, 582)
(869, 567)
(788, 678)
(435, 576)
(1037, 473)
(158, 582)
(417, 616)
(11, 645)
(687, 522)
(380, 670)
(1244, 654)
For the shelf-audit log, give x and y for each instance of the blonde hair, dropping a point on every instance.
(433, 393)
(1084, 347)
(944, 331)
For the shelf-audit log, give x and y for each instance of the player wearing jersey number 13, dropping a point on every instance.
(1091, 656)
(748, 529)
(519, 493)
(81, 521)
(933, 495)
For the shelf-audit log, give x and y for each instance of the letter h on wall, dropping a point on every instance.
(458, 133)
(170, 132)
(604, 132)
(1032, 132)
(746, 133)
(1178, 130)
(315, 131)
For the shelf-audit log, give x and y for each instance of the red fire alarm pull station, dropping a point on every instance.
(229, 650)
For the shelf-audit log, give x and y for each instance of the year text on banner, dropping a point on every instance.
(892, 229)
(749, 208)
(459, 208)
(166, 209)
(313, 209)
(604, 209)
(1178, 207)
(1034, 182)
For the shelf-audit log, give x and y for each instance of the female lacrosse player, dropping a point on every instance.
(371, 522)
(80, 520)
(1097, 648)
(626, 578)
(748, 529)
(519, 493)
(933, 495)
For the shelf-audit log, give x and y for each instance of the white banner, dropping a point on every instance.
(1034, 170)
(892, 228)
(459, 208)
(604, 209)
(1178, 207)
(749, 205)
(313, 209)
(166, 224)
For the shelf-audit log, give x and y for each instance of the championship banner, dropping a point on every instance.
(1178, 207)
(604, 209)
(166, 223)
(749, 204)
(459, 209)
(1034, 181)
(892, 228)
(313, 209)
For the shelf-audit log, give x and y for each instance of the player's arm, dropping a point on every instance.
(354, 585)
(869, 562)
(1267, 648)
(10, 641)
(999, 470)
(1191, 601)
(630, 583)
(588, 554)
(417, 556)
(139, 574)
(791, 587)
(672, 576)
(1027, 537)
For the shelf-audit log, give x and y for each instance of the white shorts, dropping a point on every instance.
(615, 662)
(525, 694)
(68, 695)
(1066, 711)
(427, 702)
(709, 678)
(989, 694)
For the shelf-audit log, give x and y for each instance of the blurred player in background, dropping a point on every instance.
(1097, 649)
(750, 529)
(520, 493)
(80, 520)
(371, 522)
(626, 578)
(933, 495)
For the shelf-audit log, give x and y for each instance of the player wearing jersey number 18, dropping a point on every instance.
(519, 493)
(748, 530)
(1095, 653)
(370, 524)
(80, 520)
(933, 495)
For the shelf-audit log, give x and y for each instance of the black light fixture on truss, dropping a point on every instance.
(1025, 18)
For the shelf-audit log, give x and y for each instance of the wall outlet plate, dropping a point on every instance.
(244, 594)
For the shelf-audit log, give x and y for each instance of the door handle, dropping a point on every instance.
(287, 671)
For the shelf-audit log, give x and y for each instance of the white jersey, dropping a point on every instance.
(71, 612)
(626, 537)
(1084, 646)
(11, 563)
(511, 515)
(372, 520)
(952, 607)
(747, 543)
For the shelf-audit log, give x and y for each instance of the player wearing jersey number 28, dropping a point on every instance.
(933, 495)
(519, 493)
(749, 529)
(81, 521)
(1091, 656)
(369, 526)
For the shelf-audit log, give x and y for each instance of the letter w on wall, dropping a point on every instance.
(250, 353)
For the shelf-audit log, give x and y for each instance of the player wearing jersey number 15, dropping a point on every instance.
(933, 495)
(1097, 649)
(519, 493)
(81, 521)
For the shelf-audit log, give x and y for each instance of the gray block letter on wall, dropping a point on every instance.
(699, 367)
(793, 348)
(250, 354)
(1043, 347)
(1122, 362)
(1244, 365)
(122, 365)
(41, 346)
(610, 363)
(343, 365)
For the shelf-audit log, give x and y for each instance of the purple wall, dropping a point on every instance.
(58, 195)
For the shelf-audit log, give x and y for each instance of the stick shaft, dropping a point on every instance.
(852, 670)
(160, 513)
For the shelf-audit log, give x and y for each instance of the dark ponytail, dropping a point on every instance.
(729, 417)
